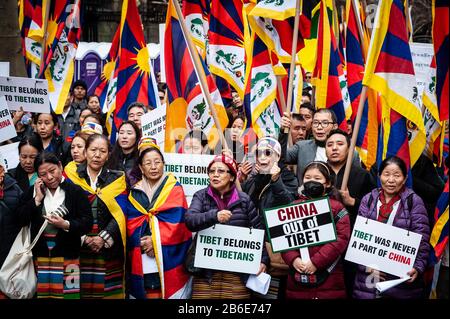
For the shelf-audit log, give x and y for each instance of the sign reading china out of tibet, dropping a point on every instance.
(383, 247)
(299, 225)
(229, 248)
(30, 94)
(191, 170)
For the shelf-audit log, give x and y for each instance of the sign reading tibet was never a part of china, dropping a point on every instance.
(305, 224)
(229, 248)
(30, 94)
(383, 247)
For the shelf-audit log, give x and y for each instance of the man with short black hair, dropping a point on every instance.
(299, 130)
(135, 111)
(307, 111)
(75, 103)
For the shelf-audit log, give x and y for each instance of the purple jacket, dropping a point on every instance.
(416, 221)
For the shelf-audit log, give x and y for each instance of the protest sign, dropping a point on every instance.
(154, 125)
(304, 224)
(9, 155)
(229, 248)
(30, 94)
(191, 170)
(7, 129)
(383, 247)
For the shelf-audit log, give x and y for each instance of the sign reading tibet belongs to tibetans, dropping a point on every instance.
(383, 247)
(30, 94)
(229, 248)
(309, 223)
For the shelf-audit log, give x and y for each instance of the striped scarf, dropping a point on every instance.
(387, 207)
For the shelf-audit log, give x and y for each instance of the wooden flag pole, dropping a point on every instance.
(293, 60)
(360, 29)
(200, 72)
(351, 151)
(44, 38)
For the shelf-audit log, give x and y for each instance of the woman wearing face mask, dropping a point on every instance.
(222, 203)
(396, 205)
(103, 248)
(125, 152)
(271, 185)
(319, 275)
(24, 173)
(157, 234)
(66, 208)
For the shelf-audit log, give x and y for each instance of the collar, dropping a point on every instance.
(82, 172)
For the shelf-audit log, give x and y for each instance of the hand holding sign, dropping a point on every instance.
(275, 172)
(224, 216)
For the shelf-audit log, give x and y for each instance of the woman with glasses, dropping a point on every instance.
(66, 208)
(103, 248)
(272, 184)
(157, 236)
(222, 203)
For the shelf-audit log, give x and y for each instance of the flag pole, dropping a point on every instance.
(44, 38)
(202, 78)
(200, 72)
(360, 29)
(293, 60)
(351, 151)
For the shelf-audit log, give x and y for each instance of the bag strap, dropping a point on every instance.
(44, 225)
(338, 217)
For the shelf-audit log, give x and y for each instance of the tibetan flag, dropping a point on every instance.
(439, 234)
(60, 58)
(277, 33)
(226, 55)
(135, 77)
(187, 107)
(164, 215)
(390, 71)
(435, 129)
(441, 44)
(31, 49)
(328, 72)
(261, 91)
(278, 10)
(196, 14)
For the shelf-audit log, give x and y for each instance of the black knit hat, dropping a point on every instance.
(79, 83)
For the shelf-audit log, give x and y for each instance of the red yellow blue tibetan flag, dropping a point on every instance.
(226, 53)
(439, 234)
(135, 76)
(196, 14)
(441, 44)
(187, 108)
(31, 48)
(328, 71)
(390, 71)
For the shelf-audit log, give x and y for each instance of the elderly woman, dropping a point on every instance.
(66, 208)
(24, 173)
(103, 248)
(222, 203)
(271, 184)
(396, 205)
(157, 234)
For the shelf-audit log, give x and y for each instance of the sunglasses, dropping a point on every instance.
(265, 152)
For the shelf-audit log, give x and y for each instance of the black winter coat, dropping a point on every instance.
(9, 227)
(68, 243)
(21, 177)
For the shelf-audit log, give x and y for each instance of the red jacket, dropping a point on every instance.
(323, 257)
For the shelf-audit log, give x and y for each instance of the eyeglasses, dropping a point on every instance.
(323, 123)
(155, 163)
(218, 171)
(265, 152)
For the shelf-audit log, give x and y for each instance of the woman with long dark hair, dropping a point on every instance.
(125, 152)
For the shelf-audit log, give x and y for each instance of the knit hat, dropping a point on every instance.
(269, 143)
(92, 128)
(228, 161)
(79, 83)
(147, 142)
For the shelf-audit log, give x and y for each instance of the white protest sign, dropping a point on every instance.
(383, 247)
(7, 129)
(154, 125)
(9, 155)
(421, 54)
(4, 68)
(229, 248)
(30, 94)
(191, 170)
(305, 224)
